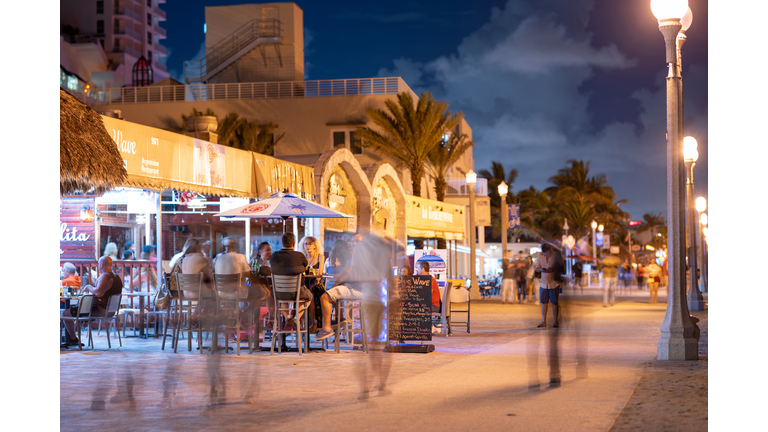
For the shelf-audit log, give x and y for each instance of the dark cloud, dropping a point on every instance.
(519, 80)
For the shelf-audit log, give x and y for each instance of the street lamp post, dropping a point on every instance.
(701, 206)
(471, 179)
(594, 251)
(690, 156)
(677, 341)
(503, 189)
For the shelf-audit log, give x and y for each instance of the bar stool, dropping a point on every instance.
(351, 305)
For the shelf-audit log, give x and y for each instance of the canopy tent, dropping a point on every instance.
(88, 156)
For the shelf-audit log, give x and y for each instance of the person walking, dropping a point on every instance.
(654, 279)
(610, 278)
(508, 284)
(551, 265)
(521, 269)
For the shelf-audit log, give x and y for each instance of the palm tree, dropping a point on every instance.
(651, 222)
(443, 156)
(495, 177)
(407, 131)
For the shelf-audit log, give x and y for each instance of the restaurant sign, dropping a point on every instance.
(433, 219)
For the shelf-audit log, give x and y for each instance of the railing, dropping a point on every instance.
(88, 270)
(128, 32)
(160, 49)
(81, 39)
(224, 50)
(127, 11)
(159, 13)
(127, 50)
(460, 187)
(159, 31)
(262, 90)
(159, 66)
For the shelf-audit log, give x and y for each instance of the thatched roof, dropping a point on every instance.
(88, 156)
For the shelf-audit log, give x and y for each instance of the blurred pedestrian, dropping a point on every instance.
(654, 279)
(610, 278)
(640, 276)
(550, 264)
(508, 283)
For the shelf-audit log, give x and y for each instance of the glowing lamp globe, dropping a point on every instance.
(601, 228)
(704, 219)
(690, 149)
(701, 204)
(687, 20)
(594, 224)
(503, 188)
(665, 10)
(471, 177)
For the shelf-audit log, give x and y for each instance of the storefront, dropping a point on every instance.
(430, 219)
(175, 184)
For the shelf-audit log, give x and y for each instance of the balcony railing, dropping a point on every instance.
(160, 49)
(125, 31)
(159, 13)
(258, 90)
(460, 187)
(125, 11)
(159, 66)
(127, 50)
(160, 32)
(81, 39)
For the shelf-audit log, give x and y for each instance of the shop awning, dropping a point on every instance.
(158, 159)
(427, 218)
(275, 175)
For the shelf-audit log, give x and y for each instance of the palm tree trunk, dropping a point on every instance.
(440, 186)
(417, 172)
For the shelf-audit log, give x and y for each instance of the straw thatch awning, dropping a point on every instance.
(88, 156)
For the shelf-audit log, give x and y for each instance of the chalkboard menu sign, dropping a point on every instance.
(410, 313)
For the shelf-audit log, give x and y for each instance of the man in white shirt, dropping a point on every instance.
(231, 262)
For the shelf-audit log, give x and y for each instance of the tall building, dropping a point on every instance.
(126, 30)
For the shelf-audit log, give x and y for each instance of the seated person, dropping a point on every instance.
(339, 258)
(142, 279)
(406, 271)
(71, 279)
(107, 285)
(436, 301)
(370, 263)
(194, 262)
(128, 255)
(231, 262)
(289, 262)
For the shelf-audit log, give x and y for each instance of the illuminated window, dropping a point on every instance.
(72, 82)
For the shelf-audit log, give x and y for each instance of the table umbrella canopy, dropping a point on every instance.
(88, 156)
(285, 206)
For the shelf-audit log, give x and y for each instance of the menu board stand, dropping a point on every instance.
(409, 317)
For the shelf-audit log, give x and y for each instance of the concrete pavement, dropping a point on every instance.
(498, 377)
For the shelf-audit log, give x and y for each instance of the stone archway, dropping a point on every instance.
(344, 159)
(384, 172)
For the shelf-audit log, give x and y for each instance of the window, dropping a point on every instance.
(100, 27)
(149, 19)
(117, 45)
(338, 140)
(354, 145)
(100, 7)
(149, 38)
(149, 3)
(149, 56)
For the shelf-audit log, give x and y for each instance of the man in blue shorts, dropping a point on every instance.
(549, 289)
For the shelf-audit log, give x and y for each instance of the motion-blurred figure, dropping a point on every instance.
(551, 264)
(610, 278)
(654, 279)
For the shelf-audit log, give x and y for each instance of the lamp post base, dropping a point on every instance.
(676, 347)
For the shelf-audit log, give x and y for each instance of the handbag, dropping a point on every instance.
(163, 296)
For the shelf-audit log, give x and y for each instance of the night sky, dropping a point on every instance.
(539, 81)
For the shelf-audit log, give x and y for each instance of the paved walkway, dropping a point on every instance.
(498, 377)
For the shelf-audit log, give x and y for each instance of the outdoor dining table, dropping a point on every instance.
(140, 295)
(284, 347)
